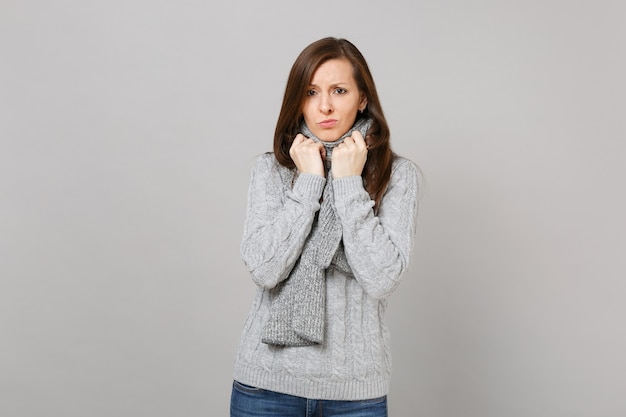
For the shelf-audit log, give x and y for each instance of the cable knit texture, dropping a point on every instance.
(354, 362)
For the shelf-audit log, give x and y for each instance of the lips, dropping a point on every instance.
(328, 123)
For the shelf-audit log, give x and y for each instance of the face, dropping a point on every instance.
(332, 100)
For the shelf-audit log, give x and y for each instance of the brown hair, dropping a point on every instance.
(377, 170)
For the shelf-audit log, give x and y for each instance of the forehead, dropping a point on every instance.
(333, 71)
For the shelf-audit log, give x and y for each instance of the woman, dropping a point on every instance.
(328, 234)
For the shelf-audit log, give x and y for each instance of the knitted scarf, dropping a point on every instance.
(297, 311)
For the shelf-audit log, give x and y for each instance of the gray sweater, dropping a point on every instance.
(354, 362)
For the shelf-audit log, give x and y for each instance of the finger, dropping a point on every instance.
(298, 139)
(359, 140)
(347, 143)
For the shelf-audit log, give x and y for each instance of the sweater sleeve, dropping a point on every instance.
(278, 220)
(378, 247)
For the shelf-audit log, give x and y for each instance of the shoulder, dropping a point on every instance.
(403, 167)
(406, 177)
(266, 165)
(265, 160)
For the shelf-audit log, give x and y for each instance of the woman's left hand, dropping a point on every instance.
(349, 157)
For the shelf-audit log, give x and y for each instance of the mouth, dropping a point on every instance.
(328, 123)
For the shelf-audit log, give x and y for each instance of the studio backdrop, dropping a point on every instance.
(127, 134)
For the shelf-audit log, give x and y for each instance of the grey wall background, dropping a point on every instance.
(127, 131)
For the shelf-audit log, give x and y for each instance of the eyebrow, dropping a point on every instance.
(332, 85)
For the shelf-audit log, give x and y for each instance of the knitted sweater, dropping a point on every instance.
(354, 363)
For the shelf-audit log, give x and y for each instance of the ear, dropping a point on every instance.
(363, 102)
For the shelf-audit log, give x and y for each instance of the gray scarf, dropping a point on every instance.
(298, 306)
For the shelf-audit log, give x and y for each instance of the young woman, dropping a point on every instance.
(328, 234)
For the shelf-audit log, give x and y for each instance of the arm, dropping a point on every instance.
(278, 220)
(378, 247)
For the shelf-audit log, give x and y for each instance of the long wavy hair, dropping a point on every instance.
(377, 170)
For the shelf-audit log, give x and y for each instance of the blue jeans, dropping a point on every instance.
(247, 401)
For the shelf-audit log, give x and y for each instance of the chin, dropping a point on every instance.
(330, 135)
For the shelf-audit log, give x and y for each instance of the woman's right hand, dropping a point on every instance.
(308, 155)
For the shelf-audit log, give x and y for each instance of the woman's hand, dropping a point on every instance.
(350, 156)
(307, 155)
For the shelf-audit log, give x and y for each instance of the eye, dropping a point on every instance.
(340, 90)
(311, 92)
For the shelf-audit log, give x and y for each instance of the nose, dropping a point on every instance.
(326, 105)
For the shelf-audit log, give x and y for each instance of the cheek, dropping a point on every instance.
(306, 111)
(352, 113)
